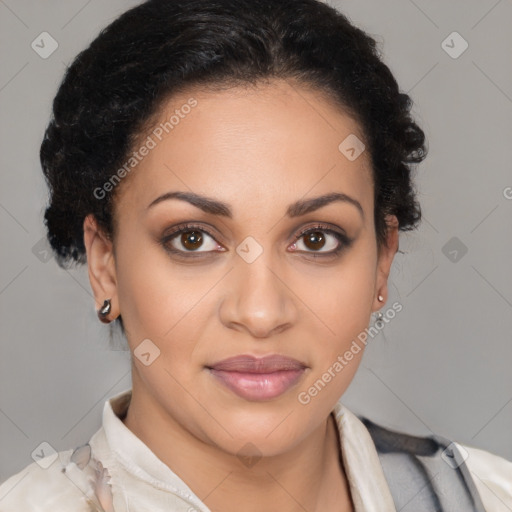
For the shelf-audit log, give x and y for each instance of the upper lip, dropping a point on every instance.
(251, 364)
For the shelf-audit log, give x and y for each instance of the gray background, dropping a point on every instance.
(443, 365)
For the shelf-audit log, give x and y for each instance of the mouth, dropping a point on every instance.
(258, 379)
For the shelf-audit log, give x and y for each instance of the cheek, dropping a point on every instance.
(149, 298)
(159, 300)
(343, 304)
(343, 297)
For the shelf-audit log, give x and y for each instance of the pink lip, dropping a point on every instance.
(258, 378)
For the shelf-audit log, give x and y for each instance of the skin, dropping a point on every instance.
(257, 149)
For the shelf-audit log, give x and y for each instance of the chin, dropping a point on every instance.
(264, 433)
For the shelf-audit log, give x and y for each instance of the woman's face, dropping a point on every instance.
(244, 281)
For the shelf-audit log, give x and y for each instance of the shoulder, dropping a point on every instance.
(61, 482)
(455, 472)
(39, 484)
(492, 475)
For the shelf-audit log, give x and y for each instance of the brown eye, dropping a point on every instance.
(314, 240)
(321, 241)
(191, 240)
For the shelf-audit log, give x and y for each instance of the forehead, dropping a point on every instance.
(249, 146)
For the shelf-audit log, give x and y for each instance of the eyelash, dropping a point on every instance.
(344, 241)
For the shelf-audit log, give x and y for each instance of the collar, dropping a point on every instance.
(368, 486)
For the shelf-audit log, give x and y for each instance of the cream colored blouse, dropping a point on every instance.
(117, 472)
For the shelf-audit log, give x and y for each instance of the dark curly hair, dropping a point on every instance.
(116, 86)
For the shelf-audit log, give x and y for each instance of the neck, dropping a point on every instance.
(310, 476)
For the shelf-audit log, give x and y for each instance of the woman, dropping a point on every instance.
(235, 174)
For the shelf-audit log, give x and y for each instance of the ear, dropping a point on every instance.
(385, 259)
(101, 264)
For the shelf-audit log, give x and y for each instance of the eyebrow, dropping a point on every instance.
(296, 209)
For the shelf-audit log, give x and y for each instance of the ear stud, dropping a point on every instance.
(104, 311)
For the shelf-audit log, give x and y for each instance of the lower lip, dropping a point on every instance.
(258, 386)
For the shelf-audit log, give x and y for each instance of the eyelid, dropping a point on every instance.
(322, 227)
(188, 226)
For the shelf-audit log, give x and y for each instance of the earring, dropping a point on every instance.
(379, 316)
(104, 311)
(378, 320)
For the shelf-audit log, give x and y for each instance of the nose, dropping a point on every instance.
(258, 298)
